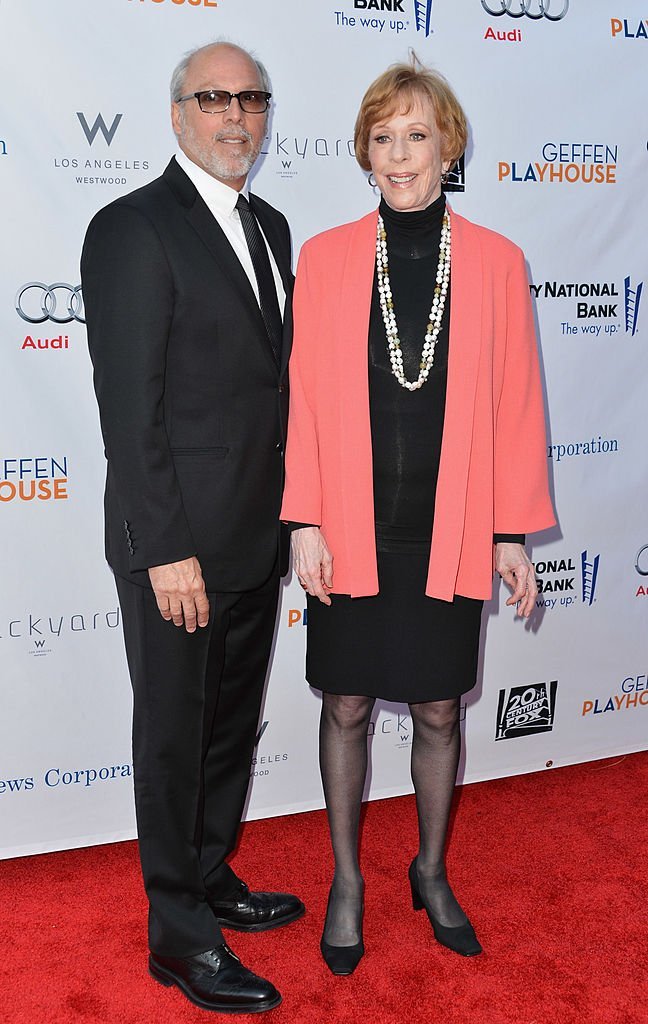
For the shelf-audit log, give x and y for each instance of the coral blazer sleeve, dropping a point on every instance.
(493, 466)
(520, 484)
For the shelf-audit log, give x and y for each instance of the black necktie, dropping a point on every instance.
(263, 273)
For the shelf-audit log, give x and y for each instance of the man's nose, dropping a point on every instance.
(234, 112)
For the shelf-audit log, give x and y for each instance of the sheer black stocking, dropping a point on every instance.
(343, 763)
(436, 744)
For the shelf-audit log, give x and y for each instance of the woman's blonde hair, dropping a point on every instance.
(395, 91)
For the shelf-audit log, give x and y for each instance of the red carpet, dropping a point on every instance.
(550, 866)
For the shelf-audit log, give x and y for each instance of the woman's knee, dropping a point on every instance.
(347, 712)
(439, 716)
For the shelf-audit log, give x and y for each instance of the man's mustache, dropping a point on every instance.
(241, 135)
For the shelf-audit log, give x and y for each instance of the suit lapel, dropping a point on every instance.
(203, 222)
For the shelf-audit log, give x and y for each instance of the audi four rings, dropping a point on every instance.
(641, 563)
(534, 9)
(44, 302)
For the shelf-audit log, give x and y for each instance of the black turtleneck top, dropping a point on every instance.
(407, 426)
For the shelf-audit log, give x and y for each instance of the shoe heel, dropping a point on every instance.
(417, 902)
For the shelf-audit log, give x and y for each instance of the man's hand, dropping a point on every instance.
(515, 568)
(313, 562)
(180, 593)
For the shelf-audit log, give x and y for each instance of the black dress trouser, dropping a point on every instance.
(196, 703)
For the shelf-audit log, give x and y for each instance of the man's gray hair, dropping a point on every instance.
(180, 71)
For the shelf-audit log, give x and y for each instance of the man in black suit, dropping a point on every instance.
(187, 286)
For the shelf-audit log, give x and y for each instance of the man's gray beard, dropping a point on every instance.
(225, 168)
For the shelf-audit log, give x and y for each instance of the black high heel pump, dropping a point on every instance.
(342, 959)
(461, 939)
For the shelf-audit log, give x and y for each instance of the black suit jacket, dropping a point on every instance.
(193, 406)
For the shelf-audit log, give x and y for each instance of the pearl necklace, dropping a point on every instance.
(436, 313)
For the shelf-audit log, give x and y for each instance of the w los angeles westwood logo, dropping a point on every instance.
(99, 125)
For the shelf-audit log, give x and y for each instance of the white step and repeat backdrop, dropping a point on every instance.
(555, 93)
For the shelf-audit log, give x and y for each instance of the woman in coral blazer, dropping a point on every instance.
(416, 462)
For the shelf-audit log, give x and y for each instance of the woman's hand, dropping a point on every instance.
(515, 568)
(313, 562)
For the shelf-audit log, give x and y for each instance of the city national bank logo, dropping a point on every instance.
(608, 307)
(38, 632)
(559, 578)
(625, 28)
(419, 11)
(263, 763)
(422, 16)
(526, 710)
(632, 298)
(3, 148)
(641, 567)
(103, 166)
(28, 479)
(633, 695)
(565, 163)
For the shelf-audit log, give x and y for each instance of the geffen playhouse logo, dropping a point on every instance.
(564, 163)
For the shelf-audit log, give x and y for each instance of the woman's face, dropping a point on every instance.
(405, 156)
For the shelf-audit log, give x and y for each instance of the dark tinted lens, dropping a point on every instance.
(253, 102)
(213, 101)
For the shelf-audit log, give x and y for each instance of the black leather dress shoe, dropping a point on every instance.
(215, 980)
(256, 911)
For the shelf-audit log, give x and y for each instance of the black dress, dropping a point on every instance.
(401, 645)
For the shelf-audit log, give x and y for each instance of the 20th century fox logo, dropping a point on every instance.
(525, 710)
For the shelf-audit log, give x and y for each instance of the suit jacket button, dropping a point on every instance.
(282, 387)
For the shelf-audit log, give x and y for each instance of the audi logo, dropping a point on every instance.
(534, 9)
(37, 302)
(641, 561)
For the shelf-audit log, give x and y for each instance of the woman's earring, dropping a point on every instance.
(444, 177)
(372, 181)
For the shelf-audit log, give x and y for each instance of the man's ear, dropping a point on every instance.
(176, 118)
